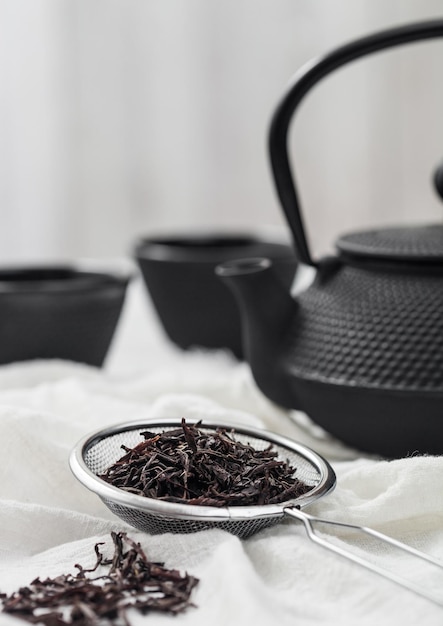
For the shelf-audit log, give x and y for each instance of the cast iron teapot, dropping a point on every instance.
(360, 350)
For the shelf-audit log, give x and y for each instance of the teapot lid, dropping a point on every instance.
(417, 244)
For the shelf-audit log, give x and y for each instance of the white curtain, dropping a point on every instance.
(121, 118)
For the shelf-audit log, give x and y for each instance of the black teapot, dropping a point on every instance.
(360, 349)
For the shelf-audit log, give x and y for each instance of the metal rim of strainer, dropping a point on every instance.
(108, 493)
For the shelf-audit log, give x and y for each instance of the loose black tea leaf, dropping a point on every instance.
(132, 582)
(204, 468)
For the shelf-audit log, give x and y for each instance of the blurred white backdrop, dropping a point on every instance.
(120, 118)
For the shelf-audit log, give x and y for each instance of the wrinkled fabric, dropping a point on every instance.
(49, 521)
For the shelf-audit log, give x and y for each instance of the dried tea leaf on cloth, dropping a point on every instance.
(131, 582)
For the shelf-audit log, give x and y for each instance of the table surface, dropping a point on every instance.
(50, 522)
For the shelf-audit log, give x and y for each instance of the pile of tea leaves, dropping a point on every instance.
(207, 468)
(131, 582)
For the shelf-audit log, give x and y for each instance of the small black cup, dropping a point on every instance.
(56, 312)
(194, 305)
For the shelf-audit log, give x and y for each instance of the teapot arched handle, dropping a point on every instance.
(309, 74)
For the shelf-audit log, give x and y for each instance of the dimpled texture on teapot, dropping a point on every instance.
(419, 243)
(370, 329)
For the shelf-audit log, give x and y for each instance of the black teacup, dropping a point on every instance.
(58, 312)
(194, 305)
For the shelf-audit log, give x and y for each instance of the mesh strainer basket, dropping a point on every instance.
(96, 452)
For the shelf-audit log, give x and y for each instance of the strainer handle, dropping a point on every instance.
(301, 83)
(310, 520)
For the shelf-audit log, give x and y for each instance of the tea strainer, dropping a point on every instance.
(97, 451)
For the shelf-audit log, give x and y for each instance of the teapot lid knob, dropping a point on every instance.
(438, 180)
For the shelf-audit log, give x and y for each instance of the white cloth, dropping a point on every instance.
(49, 521)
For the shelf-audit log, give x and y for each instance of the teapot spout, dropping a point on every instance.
(267, 311)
